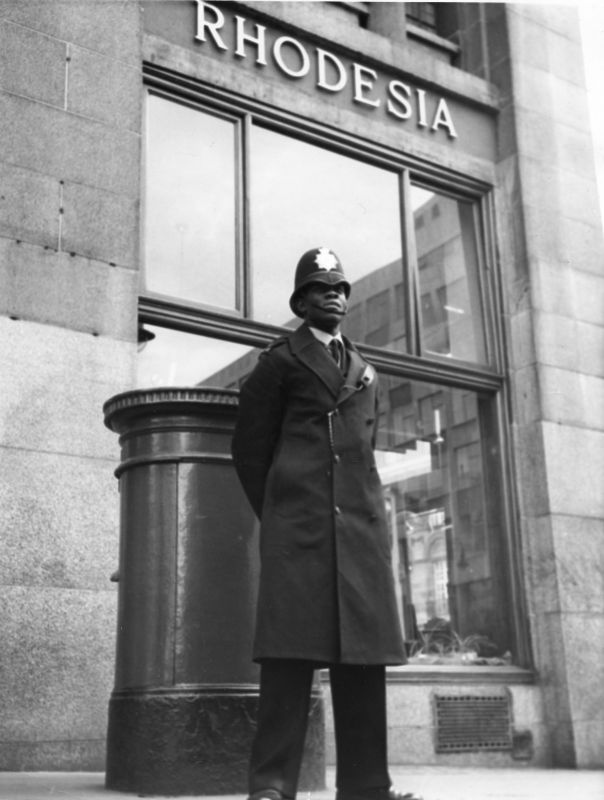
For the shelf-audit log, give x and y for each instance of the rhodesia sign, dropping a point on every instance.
(330, 73)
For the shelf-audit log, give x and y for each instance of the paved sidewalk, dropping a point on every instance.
(434, 783)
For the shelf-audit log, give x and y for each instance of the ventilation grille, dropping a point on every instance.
(466, 723)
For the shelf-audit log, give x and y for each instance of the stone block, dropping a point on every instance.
(564, 562)
(568, 397)
(527, 43)
(526, 397)
(100, 225)
(521, 345)
(104, 26)
(559, 192)
(579, 553)
(69, 147)
(570, 102)
(589, 744)
(62, 756)
(540, 570)
(409, 704)
(574, 465)
(569, 344)
(105, 89)
(59, 521)
(550, 663)
(562, 19)
(548, 141)
(411, 744)
(32, 65)
(58, 647)
(540, 95)
(567, 240)
(55, 382)
(584, 655)
(559, 287)
(545, 42)
(588, 291)
(29, 206)
(527, 706)
(531, 475)
(42, 285)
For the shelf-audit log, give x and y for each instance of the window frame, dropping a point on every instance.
(485, 380)
(230, 324)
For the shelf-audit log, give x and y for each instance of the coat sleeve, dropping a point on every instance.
(261, 409)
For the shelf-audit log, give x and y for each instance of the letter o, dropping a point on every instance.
(304, 59)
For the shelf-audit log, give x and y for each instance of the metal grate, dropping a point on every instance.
(466, 723)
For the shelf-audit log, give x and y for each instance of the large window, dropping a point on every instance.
(234, 195)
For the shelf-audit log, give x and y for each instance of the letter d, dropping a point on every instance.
(323, 56)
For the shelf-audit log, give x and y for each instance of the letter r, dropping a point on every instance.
(212, 27)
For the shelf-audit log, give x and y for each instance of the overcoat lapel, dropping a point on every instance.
(359, 371)
(313, 355)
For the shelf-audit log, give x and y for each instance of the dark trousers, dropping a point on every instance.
(359, 709)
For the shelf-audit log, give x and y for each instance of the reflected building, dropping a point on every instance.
(429, 448)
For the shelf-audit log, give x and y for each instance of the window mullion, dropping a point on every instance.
(245, 280)
(411, 282)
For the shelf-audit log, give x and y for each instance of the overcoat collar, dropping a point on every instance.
(313, 355)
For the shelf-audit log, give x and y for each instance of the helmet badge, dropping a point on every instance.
(325, 259)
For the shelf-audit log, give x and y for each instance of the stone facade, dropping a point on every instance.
(71, 101)
(70, 94)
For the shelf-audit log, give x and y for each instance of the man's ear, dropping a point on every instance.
(300, 304)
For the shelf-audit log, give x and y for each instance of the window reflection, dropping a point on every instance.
(449, 287)
(305, 196)
(444, 539)
(174, 358)
(446, 542)
(190, 205)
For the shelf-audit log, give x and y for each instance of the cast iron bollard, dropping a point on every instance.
(182, 713)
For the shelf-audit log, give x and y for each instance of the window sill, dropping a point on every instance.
(427, 37)
(435, 673)
(440, 673)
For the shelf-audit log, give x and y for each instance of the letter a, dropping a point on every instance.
(442, 116)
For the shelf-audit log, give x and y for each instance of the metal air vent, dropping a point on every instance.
(466, 723)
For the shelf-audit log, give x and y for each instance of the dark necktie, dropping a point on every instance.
(335, 348)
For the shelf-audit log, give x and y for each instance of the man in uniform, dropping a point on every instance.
(303, 449)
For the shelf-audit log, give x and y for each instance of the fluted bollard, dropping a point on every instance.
(183, 709)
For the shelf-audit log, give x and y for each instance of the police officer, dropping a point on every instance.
(303, 449)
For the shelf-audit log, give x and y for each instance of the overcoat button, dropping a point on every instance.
(337, 510)
(336, 459)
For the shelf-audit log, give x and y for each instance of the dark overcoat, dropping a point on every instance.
(303, 450)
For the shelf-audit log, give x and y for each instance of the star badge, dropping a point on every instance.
(325, 259)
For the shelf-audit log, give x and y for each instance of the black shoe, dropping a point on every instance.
(267, 794)
(394, 795)
(378, 794)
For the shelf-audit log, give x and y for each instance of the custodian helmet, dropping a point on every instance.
(319, 265)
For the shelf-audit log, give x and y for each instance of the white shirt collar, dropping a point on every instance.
(324, 337)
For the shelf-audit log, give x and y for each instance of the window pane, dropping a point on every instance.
(446, 535)
(303, 196)
(423, 14)
(173, 358)
(190, 205)
(449, 288)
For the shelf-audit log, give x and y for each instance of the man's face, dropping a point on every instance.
(323, 306)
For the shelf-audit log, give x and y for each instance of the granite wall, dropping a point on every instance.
(70, 119)
(551, 253)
